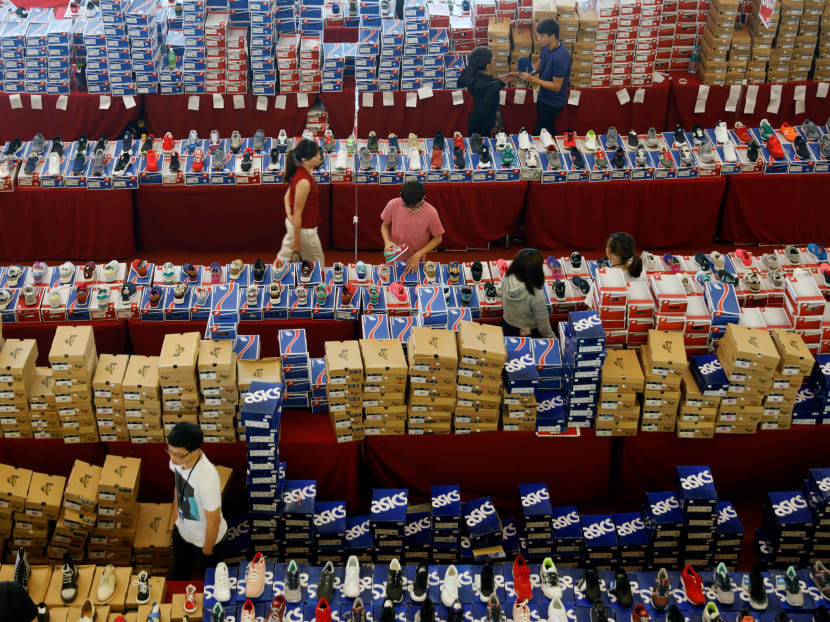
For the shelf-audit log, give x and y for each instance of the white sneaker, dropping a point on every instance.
(556, 611)
(520, 611)
(532, 159)
(106, 587)
(546, 139)
(501, 141)
(351, 583)
(717, 260)
(54, 165)
(4, 170)
(591, 142)
(729, 153)
(550, 580)
(721, 134)
(711, 613)
(449, 587)
(221, 583)
(309, 135)
(524, 140)
(341, 162)
(414, 160)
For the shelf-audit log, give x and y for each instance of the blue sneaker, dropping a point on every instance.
(155, 614)
(31, 163)
(79, 164)
(361, 271)
(393, 141)
(819, 252)
(702, 277)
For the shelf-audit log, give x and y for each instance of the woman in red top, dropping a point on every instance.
(302, 203)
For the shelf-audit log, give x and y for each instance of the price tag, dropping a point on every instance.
(623, 96)
(218, 101)
(193, 102)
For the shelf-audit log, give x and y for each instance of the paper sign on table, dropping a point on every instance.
(129, 101)
(774, 99)
(702, 97)
(218, 101)
(519, 96)
(535, 95)
(623, 97)
(302, 100)
(573, 97)
(639, 96)
(238, 102)
(732, 101)
(261, 103)
(502, 98)
(15, 102)
(800, 95)
(193, 102)
(800, 107)
(388, 98)
(104, 102)
(821, 90)
(279, 102)
(751, 97)
(61, 102)
(36, 102)
(411, 99)
(425, 92)
(457, 98)
(368, 100)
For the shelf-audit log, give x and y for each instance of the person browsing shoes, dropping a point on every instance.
(523, 298)
(413, 222)
(621, 251)
(485, 90)
(553, 79)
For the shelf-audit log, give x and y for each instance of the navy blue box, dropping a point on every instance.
(567, 530)
(483, 523)
(730, 531)
(787, 517)
(446, 508)
(709, 375)
(631, 534)
(329, 523)
(388, 512)
(298, 497)
(262, 405)
(696, 489)
(359, 540)
(601, 543)
(417, 535)
(663, 517)
(520, 371)
(536, 508)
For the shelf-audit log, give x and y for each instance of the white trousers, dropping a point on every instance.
(310, 247)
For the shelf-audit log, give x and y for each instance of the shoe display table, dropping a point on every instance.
(473, 214)
(83, 115)
(775, 209)
(68, 224)
(218, 218)
(659, 214)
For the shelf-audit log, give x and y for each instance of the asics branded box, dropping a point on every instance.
(787, 517)
(511, 545)
(388, 511)
(446, 508)
(520, 368)
(293, 347)
(818, 485)
(696, 489)
(536, 508)
(709, 374)
(663, 516)
(601, 543)
(567, 530)
(730, 531)
(262, 405)
(631, 534)
(482, 522)
(359, 540)
(587, 330)
(551, 416)
(417, 535)
(298, 497)
(329, 524)
(820, 377)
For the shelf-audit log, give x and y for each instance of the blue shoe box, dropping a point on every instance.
(696, 490)
(632, 536)
(375, 326)
(601, 543)
(293, 347)
(730, 531)
(482, 522)
(388, 511)
(446, 508)
(400, 328)
(417, 536)
(329, 525)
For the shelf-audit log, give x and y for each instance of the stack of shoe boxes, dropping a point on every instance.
(729, 536)
(482, 353)
(568, 541)
(816, 491)
(782, 54)
(171, 74)
(433, 373)
(260, 413)
(180, 385)
(621, 387)
(143, 24)
(388, 522)
(536, 513)
(288, 63)
(605, 47)
(73, 359)
(749, 359)
(804, 52)
(78, 514)
(338, 62)
(42, 508)
(717, 40)
(699, 504)
(91, 58)
(194, 60)
(384, 386)
(445, 522)
(522, 40)
(18, 375)
(59, 59)
(344, 389)
(418, 536)
(152, 549)
(664, 362)
(329, 532)
(42, 406)
(550, 407)
(582, 341)
(217, 25)
(12, 496)
(819, 385)
(633, 539)
(112, 539)
(319, 399)
(295, 367)
(142, 400)
(795, 367)
(217, 383)
(481, 12)
(484, 528)
(610, 296)
(119, 58)
(36, 48)
(787, 526)
(664, 523)
(263, 43)
(762, 41)
(820, 11)
(647, 42)
(236, 76)
(359, 538)
(702, 387)
(602, 547)
(639, 313)
(498, 40)
(366, 57)
(520, 382)
(393, 64)
(13, 61)
(416, 44)
(740, 52)
(584, 49)
(249, 371)
(298, 499)
(108, 397)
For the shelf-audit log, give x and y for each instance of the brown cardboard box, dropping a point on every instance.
(429, 349)
(481, 345)
(343, 362)
(621, 372)
(666, 352)
(473, 428)
(217, 362)
(82, 485)
(45, 496)
(14, 486)
(177, 360)
(177, 608)
(158, 591)
(17, 362)
(123, 577)
(386, 428)
(72, 349)
(109, 376)
(38, 584)
(544, 9)
(154, 529)
(384, 361)
(796, 359)
(53, 593)
(60, 614)
(141, 380)
(498, 31)
(119, 480)
(751, 346)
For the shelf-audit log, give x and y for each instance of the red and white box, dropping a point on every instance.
(803, 297)
(669, 293)
(698, 321)
(611, 288)
(775, 317)
(640, 302)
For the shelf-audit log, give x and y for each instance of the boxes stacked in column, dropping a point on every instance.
(119, 58)
(384, 387)
(43, 409)
(73, 359)
(536, 519)
(664, 362)
(42, 508)
(520, 381)
(219, 393)
(78, 515)
(729, 536)
(18, 374)
(445, 518)
(295, 367)
(621, 387)
(699, 504)
(143, 20)
(194, 60)
(551, 416)
(816, 491)
(262, 46)
(344, 369)
(433, 371)
(179, 380)
(582, 342)
(298, 513)
(388, 522)
(112, 539)
(108, 397)
(481, 358)
(664, 523)
(142, 400)
(329, 532)
(701, 389)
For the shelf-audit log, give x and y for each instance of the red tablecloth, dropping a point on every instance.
(219, 218)
(82, 116)
(430, 115)
(147, 337)
(775, 209)
(647, 461)
(659, 214)
(110, 335)
(341, 112)
(493, 464)
(170, 113)
(66, 224)
(472, 214)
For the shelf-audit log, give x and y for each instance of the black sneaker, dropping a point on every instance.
(427, 611)
(418, 591)
(622, 589)
(488, 581)
(490, 292)
(598, 612)
(801, 149)
(679, 135)
(697, 135)
(372, 142)
(674, 615)
(577, 158)
(703, 263)
(475, 143)
(22, 570)
(475, 271)
(12, 147)
(559, 289)
(458, 156)
(82, 144)
(247, 161)
(576, 260)
(127, 142)
(394, 583)
(589, 582)
(821, 614)
(42, 613)
(456, 613)
(325, 588)
(123, 161)
(757, 592)
(80, 79)
(358, 611)
(484, 158)
(175, 164)
(69, 582)
(633, 139)
(148, 144)
(752, 151)
(619, 158)
(581, 284)
(101, 144)
(259, 274)
(387, 613)
(57, 146)
(438, 141)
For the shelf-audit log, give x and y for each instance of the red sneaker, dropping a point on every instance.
(640, 614)
(248, 613)
(775, 149)
(277, 609)
(692, 585)
(348, 292)
(198, 160)
(437, 161)
(167, 143)
(570, 139)
(745, 256)
(323, 611)
(152, 161)
(742, 133)
(458, 140)
(521, 579)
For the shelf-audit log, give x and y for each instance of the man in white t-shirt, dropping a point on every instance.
(198, 537)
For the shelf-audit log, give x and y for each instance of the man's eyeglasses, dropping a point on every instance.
(175, 455)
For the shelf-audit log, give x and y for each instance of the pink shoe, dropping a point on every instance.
(502, 265)
(255, 582)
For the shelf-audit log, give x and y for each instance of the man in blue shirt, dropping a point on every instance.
(554, 71)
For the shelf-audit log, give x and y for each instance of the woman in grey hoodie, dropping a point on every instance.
(523, 297)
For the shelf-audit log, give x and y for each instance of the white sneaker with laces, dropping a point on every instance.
(546, 139)
(721, 133)
(54, 165)
(221, 583)
(556, 611)
(449, 587)
(341, 162)
(520, 611)
(524, 140)
(501, 141)
(550, 579)
(414, 160)
(351, 584)
(729, 153)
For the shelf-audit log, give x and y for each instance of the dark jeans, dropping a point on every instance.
(481, 122)
(546, 118)
(512, 331)
(188, 558)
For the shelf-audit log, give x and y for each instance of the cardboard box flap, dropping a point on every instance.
(82, 485)
(484, 342)
(17, 356)
(383, 355)
(142, 374)
(262, 370)
(72, 344)
(343, 359)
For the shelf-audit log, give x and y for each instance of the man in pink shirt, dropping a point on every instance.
(412, 221)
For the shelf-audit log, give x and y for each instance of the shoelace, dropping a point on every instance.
(552, 579)
(68, 575)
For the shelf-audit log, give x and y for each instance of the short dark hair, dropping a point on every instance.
(186, 435)
(412, 192)
(480, 57)
(527, 267)
(548, 27)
